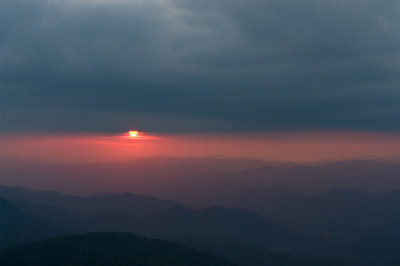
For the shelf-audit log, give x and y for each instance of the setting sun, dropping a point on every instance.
(133, 133)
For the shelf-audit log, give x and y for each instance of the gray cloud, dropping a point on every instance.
(186, 65)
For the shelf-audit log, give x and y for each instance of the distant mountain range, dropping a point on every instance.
(195, 181)
(366, 175)
(316, 229)
(108, 204)
(215, 229)
(161, 177)
(253, 214)
(141, 214)
(372, 251)
(341, 214)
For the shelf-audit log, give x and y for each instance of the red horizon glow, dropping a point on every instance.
(277, 146)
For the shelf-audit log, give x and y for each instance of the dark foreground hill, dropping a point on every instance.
(108, 249)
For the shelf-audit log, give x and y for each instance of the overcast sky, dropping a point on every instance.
(199, 65)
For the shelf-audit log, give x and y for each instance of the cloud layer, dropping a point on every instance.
(186, 65)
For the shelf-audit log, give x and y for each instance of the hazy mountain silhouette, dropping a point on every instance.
(17, 226)
(264, 200)
(145, 215)
(106, 249)
(226, 226)
(216, 221)
(124, 203)
(197, 181)
(367, 175)
(341, 214)
(172, 178)
(324, 225)
(380, 250)
(182, 223)
(250, 254)
(232, 233)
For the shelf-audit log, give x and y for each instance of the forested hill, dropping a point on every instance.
(116, 249)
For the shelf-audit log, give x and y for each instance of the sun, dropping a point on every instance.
(133, 133)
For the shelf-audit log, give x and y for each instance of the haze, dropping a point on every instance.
(304, 147)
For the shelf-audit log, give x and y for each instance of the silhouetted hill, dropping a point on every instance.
(206, 227)
(171, 178)
(299, 223)
(180, 222)
(250, 254)
(216, 221)
(380, 250)
(17, 226)
(264, 200)
(106, 249)
(227, 225)
(111, 204)
(367, 175)
(196, 181)
(349, 214)
(341, 214)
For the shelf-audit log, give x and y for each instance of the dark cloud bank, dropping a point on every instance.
(210, 65)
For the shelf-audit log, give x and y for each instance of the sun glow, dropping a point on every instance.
(133, 133)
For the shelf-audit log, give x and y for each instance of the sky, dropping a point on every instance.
(200, 67)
